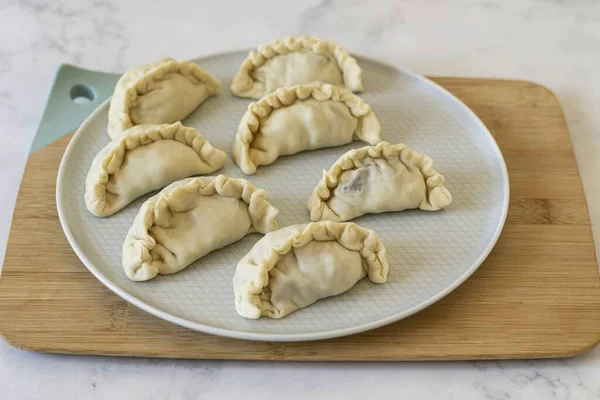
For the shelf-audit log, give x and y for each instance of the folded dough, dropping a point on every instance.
(189, 219)
(301, 117)
(297, 265)
(375, 179)
(294, 61)
(145, 158)
(159, 93)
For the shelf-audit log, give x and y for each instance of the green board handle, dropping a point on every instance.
(74, 94)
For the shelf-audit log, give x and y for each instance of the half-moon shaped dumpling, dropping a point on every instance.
(163, 92)
(302, 117)
(297, 265)
(146, 158)
(375, 179)
(189, 219)
(294, 61)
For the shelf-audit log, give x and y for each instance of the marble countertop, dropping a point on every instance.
(555, 43)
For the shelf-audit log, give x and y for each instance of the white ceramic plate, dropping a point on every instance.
(430, 253)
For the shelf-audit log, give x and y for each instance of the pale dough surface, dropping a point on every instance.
(146, 158)
(189, 219)
(376, 179)
(295, 266)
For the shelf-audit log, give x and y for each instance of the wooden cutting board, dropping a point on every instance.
(537, 294)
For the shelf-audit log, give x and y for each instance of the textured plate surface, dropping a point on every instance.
(429, 254)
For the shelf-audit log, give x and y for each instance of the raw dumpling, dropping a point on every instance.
(145, 158)
(302, 117)
(297, 265)
(375, 179)
(189, 219)
(294, 61)
(163, 92)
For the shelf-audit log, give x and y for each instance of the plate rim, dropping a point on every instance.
(287, 337)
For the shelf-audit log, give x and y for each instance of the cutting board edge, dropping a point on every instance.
(567, 353)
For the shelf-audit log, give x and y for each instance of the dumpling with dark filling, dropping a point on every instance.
(376, 179)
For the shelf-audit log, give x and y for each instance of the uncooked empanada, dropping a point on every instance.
(145, 158)
(294, 61)
(297, 265)
(189, 219)
(375, 179)
(163, 92)
(301, 117)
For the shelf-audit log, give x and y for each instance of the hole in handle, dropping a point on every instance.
(82, 94)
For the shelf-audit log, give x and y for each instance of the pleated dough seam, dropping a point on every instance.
(348, 161)
(286, 97)
(152, 135)
(371, 250)
(243, 80)
(139, 87)
(214, 185)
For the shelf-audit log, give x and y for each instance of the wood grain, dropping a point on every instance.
(537, 294)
